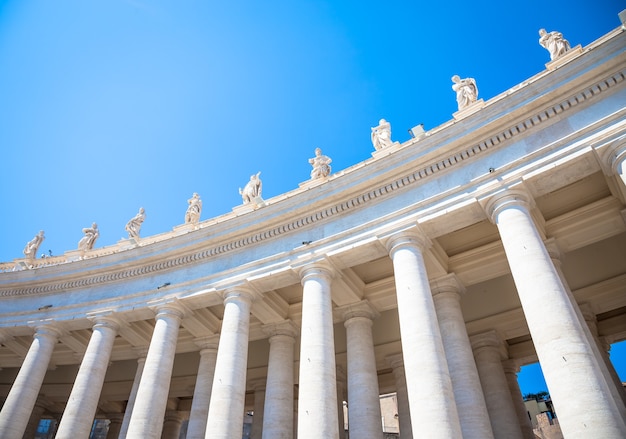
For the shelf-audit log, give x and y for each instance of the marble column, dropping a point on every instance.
(196, 428)
(468, 394)
(146, 421)
(141, 361)
(603, 351)
(342, 396)
(431, 399)
(82, 404)
(115, 425)
(588, 323)
(364, 414)
(256, 432)
(317, 400)
(487, 351)
(279, 395)
(404, 415)
(511, 369)
(22, 397)
(172, 423)
(572, 371)
(225, 419)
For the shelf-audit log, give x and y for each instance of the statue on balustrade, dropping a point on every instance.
(133, 226)
(251, 193)
(381, 135)
(466, 91)
(321, 165)
(554, 43)
(30, 251)
(91, 234)
(192, 216)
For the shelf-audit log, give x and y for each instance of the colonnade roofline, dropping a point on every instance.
(435, 181)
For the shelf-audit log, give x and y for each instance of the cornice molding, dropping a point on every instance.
(376, 194)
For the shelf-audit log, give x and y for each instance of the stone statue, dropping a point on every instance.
(192, 216)
(87, 241)
(251, 193)
(134, 225)
(381, 135)
(554, 43)
(321, 165)
(466, 91)
(30, 251)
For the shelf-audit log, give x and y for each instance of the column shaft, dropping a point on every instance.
(171, 425)
(468, 394)
(259, 405)
(404, 414)
(364, 414)
(81, 407)
(431, 400)
(510, 371)
(225, 419)
(317, 400)
(196, 428)
(504, 421)
(571, 369)
(21, 400)
(279, 395)
(141, 361)
(148, 413)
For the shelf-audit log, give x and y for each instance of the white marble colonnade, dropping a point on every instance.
(562, 347)
(396, 363)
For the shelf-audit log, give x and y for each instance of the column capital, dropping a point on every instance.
(48, 328)
(449, 283)
(363, 309)
(488, 340)
(612, 155)
(107, 319)
(239, 293)
(517, 197)
(318, 269)
(140, 351)
(286, 328)
(413, 237)
(169, 307)
(511, 366)
(257, 384)
(395, 361)
(207, 343)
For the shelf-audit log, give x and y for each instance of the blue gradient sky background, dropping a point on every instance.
(108, 106)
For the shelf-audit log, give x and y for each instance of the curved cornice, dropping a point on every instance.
(375, 194)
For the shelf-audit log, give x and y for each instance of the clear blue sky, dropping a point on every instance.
(108, 106)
